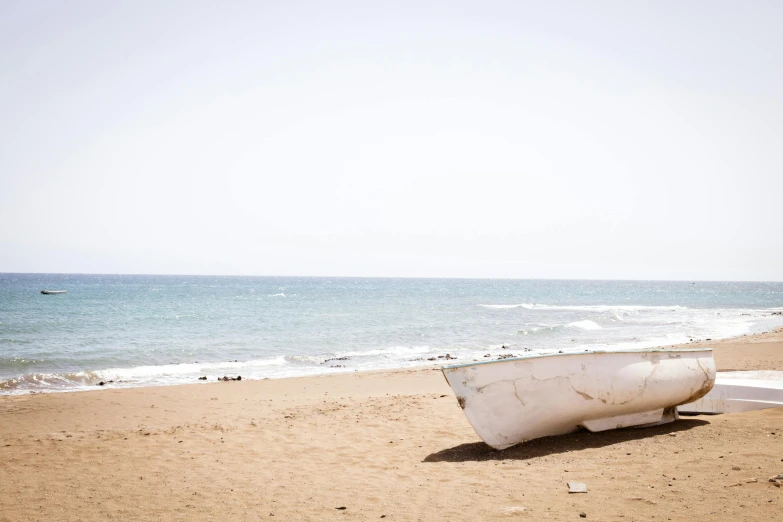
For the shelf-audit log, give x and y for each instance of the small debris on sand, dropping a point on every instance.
(577, 487)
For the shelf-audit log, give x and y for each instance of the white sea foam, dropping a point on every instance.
(43, 382)
(535, 329)
(586, 308)
(584, 325)
(506, 306)
(164, 371)
(305, 359)
(394, 350)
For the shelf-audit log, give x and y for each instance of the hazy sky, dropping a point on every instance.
(515, 139)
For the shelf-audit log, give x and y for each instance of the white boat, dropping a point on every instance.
(518, 399)
(51, 292)
(740, 391)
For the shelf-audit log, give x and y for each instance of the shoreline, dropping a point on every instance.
(391, 443)
(736, 340)
(760, 351)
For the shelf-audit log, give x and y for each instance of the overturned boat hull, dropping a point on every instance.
(514, 400)
(736, 392)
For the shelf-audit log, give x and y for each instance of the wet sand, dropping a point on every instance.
(391, 445)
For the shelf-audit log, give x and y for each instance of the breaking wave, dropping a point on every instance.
(49, 381)
(134, 376)
(584, 325)
(586, 308)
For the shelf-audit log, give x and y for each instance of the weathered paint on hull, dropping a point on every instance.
(736, 392)
(514, 400)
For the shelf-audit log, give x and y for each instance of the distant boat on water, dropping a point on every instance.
(51, 292)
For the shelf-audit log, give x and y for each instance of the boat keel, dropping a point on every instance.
(637, 420)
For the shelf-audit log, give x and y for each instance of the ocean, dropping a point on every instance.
(142, 330)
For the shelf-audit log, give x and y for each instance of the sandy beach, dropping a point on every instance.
(370, 446)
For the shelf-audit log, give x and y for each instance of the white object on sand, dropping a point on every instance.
(740, 391)
(577, 487)
(514, 400)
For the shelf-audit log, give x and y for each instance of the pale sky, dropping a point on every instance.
(611, 140)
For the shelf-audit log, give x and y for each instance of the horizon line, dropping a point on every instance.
(401, 277)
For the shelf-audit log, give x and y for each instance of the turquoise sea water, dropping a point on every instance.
(150, 330)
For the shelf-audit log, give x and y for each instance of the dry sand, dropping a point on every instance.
(390, 445)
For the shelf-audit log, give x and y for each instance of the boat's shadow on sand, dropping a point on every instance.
(478, 451)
